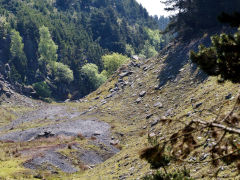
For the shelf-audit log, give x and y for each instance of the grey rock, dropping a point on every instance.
(169, 112)
(98, 93)
(120, 81)
(110, 95)
(97, 133)
(156, 87)
(192, 159)
(122, 177)
(158, 104)
(112, 90)
(96, 98)
(121, 134)
(67, 100)
(45, 134)
(142, 94)
(134, 64)
(124, 74)
(8, 94)
(152, 134)
(145, 68)
(155, 121)
(103, 102)
(163, 117)
(27, 89)
(198, 105)
(203, 157)
(149, 116)
(229, 96)
(138, 100)
(114, 142)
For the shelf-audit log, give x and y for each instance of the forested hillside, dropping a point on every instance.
(198, 16)
(46, 43)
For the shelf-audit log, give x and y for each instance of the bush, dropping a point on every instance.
(42, 89)
(62, 73)
(113, 61)
(91, 71)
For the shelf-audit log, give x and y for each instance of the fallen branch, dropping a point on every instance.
(211, 124)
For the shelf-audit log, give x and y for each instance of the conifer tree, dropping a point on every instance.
(223, 57)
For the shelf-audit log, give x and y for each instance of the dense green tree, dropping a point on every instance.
(148, 50)
(18, 58)
(91, 72)
(17, 45)
(113, 61)
(42, 89)
(62, 73)
(155, 38)
(162, 22)
(129, 50)
(47, 48)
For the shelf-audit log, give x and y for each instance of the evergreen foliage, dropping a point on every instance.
(198, 15)
(162, 22)
(222, 58)
(73, 33)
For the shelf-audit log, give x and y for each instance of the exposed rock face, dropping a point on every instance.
(5, 88)
(8, 88)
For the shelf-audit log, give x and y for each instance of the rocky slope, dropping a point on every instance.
(100, 136)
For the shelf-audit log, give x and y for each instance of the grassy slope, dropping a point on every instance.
(127, 117)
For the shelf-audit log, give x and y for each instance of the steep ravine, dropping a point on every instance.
(100, 136)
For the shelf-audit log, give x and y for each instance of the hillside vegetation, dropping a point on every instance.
(72, 33)
(135, 109)
(172, 116)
